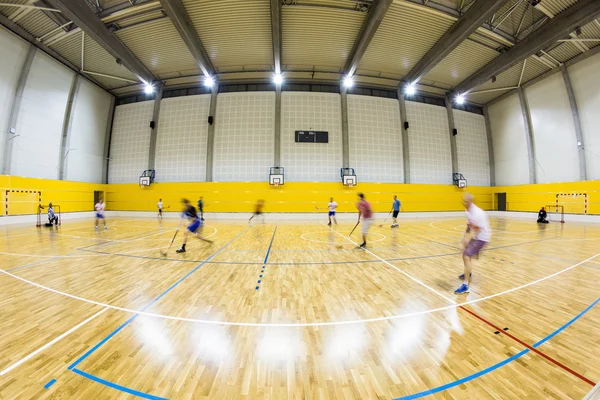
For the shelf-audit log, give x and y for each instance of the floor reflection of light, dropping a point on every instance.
(280, 344)
(454, 320)
(213, 343)
(344, 342)
(152, 332)
(405, 336)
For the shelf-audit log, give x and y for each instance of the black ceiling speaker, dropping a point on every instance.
(151, 124)
(405, 125)
(454, 132)
(210, 119)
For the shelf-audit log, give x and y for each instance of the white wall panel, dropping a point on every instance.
(85, 150)
(472, 148)
(181, 142)
(13, 52)
(429, 144)
(130, 142)
(509, 140)
(375, 139)
(36, 149)
(585, 78)
(244, 136)
(553, 131)
(311, 161)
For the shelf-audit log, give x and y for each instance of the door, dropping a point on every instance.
(500, 201)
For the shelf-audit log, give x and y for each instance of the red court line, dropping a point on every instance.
(533, 349)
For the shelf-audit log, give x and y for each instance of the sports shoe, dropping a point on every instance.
(362, 246)
(329, 224)
(105, 227)
(462, 276)
(181, 250)
(462, 289)
(95, 228)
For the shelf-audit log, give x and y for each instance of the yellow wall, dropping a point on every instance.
(532, 197)
(291, 197)
(71, 196)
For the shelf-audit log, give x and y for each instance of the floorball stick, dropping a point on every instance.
(386, 218)
(354, 228)
(164, 253)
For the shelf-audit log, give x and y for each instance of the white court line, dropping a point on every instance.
(398, 269)
(332, 323)
(44, 347)
(104, 255)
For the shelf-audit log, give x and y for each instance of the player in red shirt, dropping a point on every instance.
(364, 210)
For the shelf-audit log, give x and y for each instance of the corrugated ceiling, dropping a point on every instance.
(158, 45)
(235, 34)
(404, 36)
(467, 58)
(318, 37)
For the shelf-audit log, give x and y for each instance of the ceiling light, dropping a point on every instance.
(149, 89)
(209, 81)
(410, 90)
(277, 79)
(348, 82)
(460, 99)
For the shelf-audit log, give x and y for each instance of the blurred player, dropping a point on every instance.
(160, 208)
(366, 212)
(478, 223)
(332, 207)
(194, 227)
(258, 211)
(100, 207)
(201, 207)
(395, 211)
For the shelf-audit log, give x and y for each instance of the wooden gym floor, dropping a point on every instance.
(287, 310)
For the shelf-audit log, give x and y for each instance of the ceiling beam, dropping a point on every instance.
(560, 26)
(366, 33)
(438, 7)
(475, 16)
(276, 34)
(17, 30)
(179, 17)
(85, 18)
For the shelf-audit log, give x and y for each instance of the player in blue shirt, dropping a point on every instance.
(195, 225)
(396, 210)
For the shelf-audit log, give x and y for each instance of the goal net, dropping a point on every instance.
(556, 213)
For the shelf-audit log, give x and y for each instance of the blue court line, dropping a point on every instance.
(266, 258)
(117, 387)
(52, 382)
(500, 364)
(87, 354)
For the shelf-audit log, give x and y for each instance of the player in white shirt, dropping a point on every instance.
(332, 207)
(160, 208)
(100, 207)
(479, 224)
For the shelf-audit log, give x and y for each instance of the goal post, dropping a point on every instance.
(556, 213)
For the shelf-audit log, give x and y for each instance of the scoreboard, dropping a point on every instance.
(312, 137)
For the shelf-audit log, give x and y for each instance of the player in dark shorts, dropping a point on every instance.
(396, 210)
(201, 207)
(258, 211)
(195, 225)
